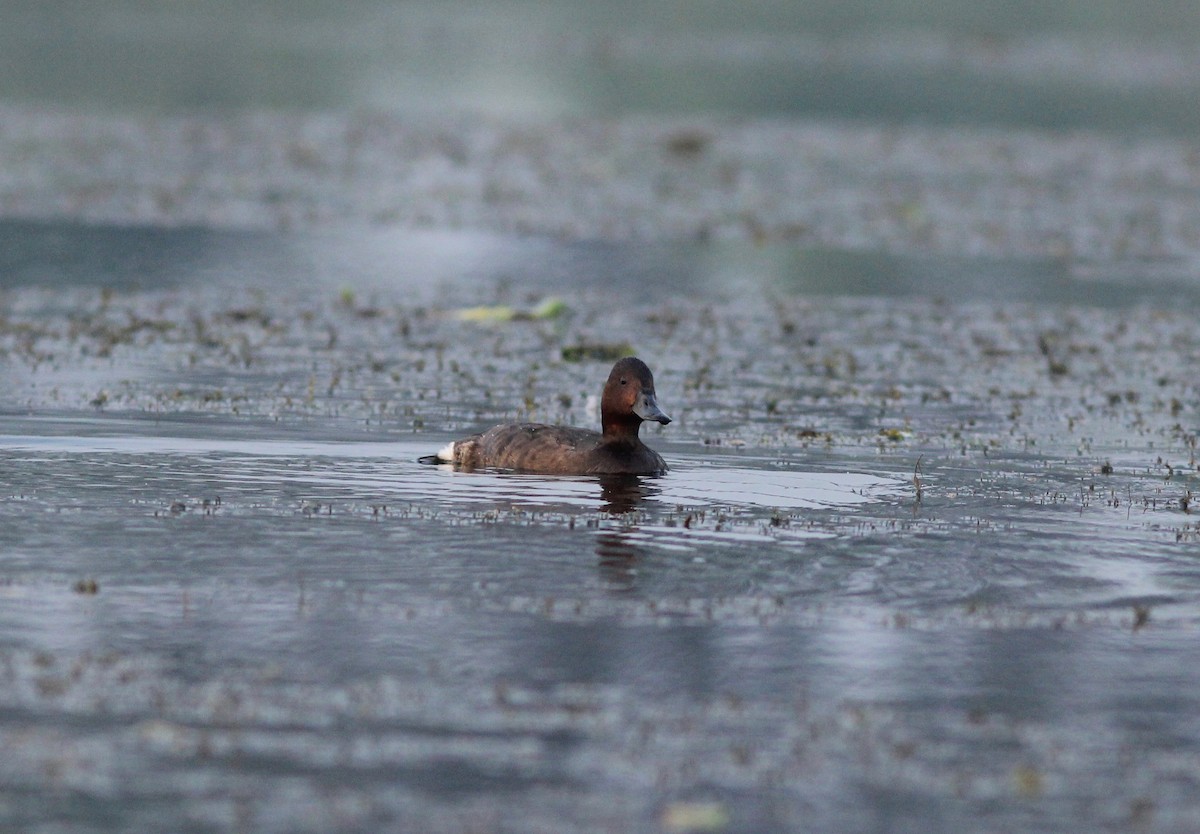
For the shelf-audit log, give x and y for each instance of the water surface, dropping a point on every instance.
(918, 564)
(1072, 66)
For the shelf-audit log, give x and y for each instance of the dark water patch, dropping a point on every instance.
(366, 268)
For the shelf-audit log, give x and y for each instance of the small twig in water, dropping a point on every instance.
(1141, 616)
(917, 479)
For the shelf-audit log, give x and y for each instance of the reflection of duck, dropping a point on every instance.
(628, 400)
(623, 493)
(617, 558)
(618, 555)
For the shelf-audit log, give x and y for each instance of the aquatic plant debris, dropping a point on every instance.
(549, 308)
(597, 351)
(1100, 199)
(695, 817)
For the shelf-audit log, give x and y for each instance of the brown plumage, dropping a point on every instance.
(628, 400)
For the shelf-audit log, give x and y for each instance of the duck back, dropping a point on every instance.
(535, 447)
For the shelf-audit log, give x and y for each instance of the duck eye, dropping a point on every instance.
(623, 381)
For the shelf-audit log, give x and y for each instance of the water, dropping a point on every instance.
(916, 565)
(925, 558)
(1078, 65)
(331, 623)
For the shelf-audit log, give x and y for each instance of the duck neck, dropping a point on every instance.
(620, 430)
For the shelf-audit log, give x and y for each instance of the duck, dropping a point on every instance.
(538, 448)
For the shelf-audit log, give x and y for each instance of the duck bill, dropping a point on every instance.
(647, 408)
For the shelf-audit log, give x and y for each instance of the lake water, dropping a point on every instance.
(1075, 65)
(926, 556)
(917, 566)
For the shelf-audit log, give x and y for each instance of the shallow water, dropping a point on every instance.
(309, 618)
(1076, 65)
(918, 565)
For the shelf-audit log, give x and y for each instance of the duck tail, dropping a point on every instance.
(444, 455)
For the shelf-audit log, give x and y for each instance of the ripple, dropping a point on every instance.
(370, 467)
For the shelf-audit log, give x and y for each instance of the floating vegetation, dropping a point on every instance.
(695, 817)
(597, 351)
(549, 308)
(86, 587)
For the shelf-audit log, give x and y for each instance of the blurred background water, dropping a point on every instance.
(925, 561)
(1105, 64)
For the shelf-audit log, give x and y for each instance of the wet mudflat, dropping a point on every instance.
(917, 566)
